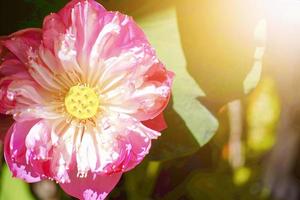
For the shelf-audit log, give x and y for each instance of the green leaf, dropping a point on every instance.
(210, 186)
(253, 77)
(176, 141)
(140, 181)
(12, 188)
(162, 31)
(260, 35)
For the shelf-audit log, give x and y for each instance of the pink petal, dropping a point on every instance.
(91, 187)
(119, 143)
(133, 148)
(22, 96)
(15, 152)
(36, 152)
(70, 33)
(9, 63)
(158, 123)
(131, 139)
(11, 66)
(65, 12)
(21, 42)
(53, 33)
(7, 102)
(83, 34)
(121, 49)
(15, 53)
(42, 74)
(48, 157)
(53, 28)
(7, 97)
(142, 98)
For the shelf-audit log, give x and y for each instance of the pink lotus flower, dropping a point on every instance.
(87, 94)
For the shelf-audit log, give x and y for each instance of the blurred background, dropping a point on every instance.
(234, 118)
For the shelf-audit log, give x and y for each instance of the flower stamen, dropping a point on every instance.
(82, 102)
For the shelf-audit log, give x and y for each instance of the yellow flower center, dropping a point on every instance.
(82, 102)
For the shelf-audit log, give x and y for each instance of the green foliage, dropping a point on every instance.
(140, 182)
(203, 185)
(263, 115)
(12, 188)
(253, 77)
